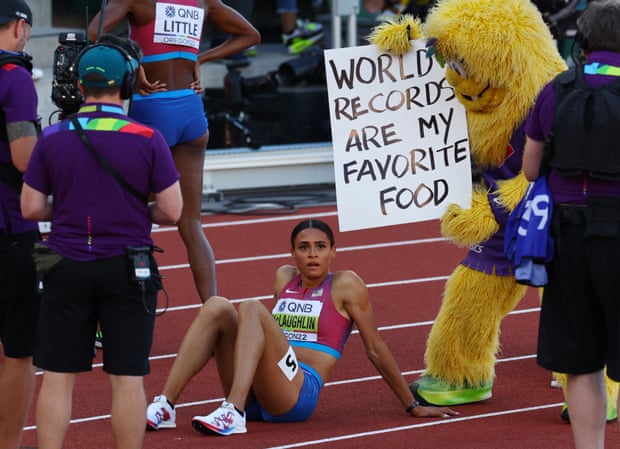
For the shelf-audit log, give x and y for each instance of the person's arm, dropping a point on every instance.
(35, 205)
(115, 11)
(22, 138)
(242, 33)
(283, 276)
(167, 205)
(350, 292)
(532, 157)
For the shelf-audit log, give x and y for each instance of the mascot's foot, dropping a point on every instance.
(612, 413)
(429, 390)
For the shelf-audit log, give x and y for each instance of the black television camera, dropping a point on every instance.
(65, 92)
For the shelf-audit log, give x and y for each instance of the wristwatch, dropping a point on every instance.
(412, 407)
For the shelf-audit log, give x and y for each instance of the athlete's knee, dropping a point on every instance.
(217, 307)
(253, 310)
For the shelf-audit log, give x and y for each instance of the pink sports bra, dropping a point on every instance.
(309, 319)
(175, 31)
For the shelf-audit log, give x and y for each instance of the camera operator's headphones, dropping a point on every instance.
(582, 41)
(132, 54)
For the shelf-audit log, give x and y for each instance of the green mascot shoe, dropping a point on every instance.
(429, 390)
(612, 413)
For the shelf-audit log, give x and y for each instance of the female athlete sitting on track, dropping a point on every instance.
(272, 365)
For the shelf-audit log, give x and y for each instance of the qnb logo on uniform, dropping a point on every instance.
(178, 25)
(170, 11)
(535, 209)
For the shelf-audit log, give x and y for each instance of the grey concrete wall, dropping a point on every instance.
(44, 37)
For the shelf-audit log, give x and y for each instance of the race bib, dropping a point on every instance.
(178, 25)
(299, 319)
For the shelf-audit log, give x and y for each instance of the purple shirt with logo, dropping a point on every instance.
(18, 102)
(93, 216)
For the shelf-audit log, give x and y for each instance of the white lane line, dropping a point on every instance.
(287, 255)
(252, 221)
(452, 420)
(337, 383)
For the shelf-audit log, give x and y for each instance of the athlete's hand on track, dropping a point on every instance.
(422, 411)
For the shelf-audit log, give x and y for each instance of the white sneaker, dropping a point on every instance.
(160, 415)
(226, 420)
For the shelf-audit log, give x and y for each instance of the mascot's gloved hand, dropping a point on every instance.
(511, 191)
(394, 35)
(466, 227)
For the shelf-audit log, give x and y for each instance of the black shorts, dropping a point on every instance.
(579, 329)
(77, 296)
(19, 302)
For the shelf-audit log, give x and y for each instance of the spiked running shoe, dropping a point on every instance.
(429, 390)
(160, 415)
(225, 420)
(304, 36)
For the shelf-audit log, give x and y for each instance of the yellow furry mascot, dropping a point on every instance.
(498, 55)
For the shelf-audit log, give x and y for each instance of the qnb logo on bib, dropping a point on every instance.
(299, 319)
(178, 25)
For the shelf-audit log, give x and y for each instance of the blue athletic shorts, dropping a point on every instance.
(178, 114)
(308, 398)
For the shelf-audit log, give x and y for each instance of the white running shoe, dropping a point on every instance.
(226, 420)
(160, 415)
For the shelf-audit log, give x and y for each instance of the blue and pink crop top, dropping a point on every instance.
(309, 319)
(174, 33)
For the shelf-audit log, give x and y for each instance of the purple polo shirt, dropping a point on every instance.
(571, 189)
(18, 101)
(93, 216)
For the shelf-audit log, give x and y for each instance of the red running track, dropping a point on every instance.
(405, 267)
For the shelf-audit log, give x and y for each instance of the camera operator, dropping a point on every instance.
(100, 167)
(172, 81)
(19, 303)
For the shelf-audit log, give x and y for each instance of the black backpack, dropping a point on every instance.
(585, 136)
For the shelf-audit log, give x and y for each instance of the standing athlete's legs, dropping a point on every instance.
(189, 159)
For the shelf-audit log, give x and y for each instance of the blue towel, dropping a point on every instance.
(528, 242)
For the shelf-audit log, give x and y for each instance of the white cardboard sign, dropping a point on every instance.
(401, 148)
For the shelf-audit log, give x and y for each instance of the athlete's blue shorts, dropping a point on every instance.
(306, 403)
(178, 114)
